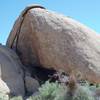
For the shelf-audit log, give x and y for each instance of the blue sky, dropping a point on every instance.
(85, 11)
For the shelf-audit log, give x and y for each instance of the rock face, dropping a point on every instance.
(11, 74)
(55, 41)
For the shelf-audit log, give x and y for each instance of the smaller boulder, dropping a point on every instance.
(11, 72)
(32, 84)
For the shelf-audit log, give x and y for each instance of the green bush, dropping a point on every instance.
(50, 91)
(83, 93)
(16, 98)
(54, 91)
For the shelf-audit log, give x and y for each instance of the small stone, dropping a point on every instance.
(32, 84)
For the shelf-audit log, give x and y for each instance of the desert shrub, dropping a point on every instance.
(83, 93)
(17, 98)
(55, 91)
(50, 91)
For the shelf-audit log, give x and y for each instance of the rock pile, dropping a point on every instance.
(44, 42)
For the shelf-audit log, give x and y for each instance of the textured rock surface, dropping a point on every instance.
(58, 42)
(32, 84)
(11, 74)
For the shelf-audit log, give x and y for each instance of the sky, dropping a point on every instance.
(85, 11)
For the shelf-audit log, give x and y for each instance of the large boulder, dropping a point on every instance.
(11, 73)
(42, 37)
